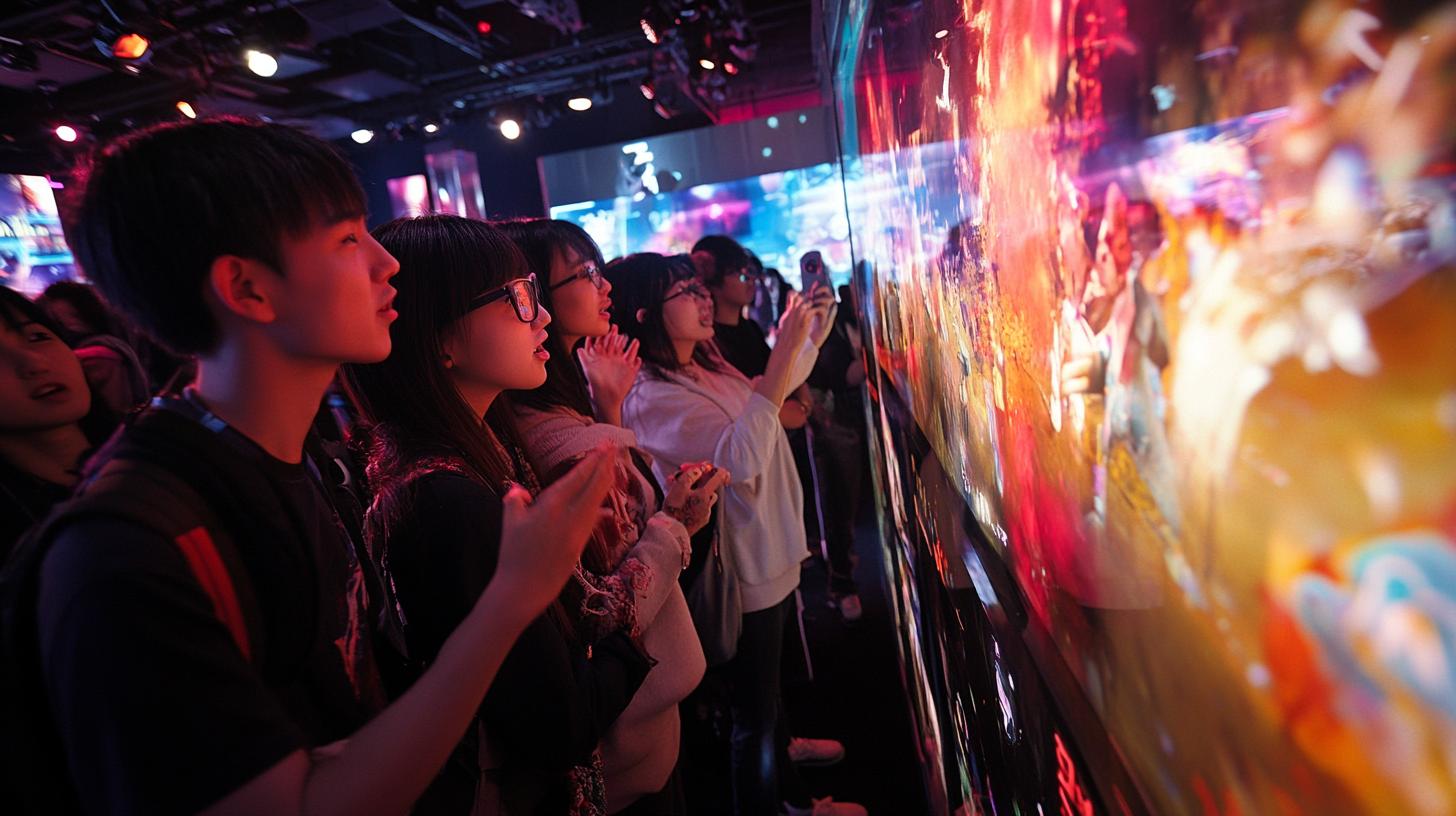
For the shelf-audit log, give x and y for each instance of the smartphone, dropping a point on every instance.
(812, 272)
(707, 474)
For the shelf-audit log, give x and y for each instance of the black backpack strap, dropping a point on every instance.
(33, 773)
(139, 492)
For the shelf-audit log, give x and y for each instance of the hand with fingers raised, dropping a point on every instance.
(610, 363)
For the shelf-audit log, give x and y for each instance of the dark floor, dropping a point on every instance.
(855, 697)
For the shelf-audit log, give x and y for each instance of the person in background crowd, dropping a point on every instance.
(48, 421)
(687, 405)
(722, 260)
(727, 269)
(110, 347)
(445, 460)
(103, 343)
(641, 544)
(839, 445)
(196, 618)
(729, 272)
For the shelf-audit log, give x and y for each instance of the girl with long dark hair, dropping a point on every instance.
(640, 544)
(443, 452)
(688, 405)
(48, 419)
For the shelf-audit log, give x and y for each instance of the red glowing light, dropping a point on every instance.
(1075, 801)
(483, 27)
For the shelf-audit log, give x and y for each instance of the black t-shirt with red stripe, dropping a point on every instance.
(159, 708)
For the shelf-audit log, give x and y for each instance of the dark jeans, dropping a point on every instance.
(762, 773)
(833, 496)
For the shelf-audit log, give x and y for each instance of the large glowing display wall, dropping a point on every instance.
(1177, 322)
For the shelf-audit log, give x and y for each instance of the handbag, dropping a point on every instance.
(716, 604)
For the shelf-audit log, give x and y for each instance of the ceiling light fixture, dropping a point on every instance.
(510, 129)
(362, 135)
(261, 62)
(579, 103)
(130, 46)
(185, 108)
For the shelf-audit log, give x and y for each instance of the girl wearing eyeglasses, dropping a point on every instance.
(443, 452)
(690, 405)
(640, 547)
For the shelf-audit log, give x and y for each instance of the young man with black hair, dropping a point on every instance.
(200, 621)
(729, 272)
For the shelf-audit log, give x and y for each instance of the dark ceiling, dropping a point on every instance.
(389, 65)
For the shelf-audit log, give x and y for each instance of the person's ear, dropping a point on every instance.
(703, 261)
(244, 287)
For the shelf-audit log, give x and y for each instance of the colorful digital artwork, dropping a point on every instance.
(1169, 289)
(33, 250)
(779, 216)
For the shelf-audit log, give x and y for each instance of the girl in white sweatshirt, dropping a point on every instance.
(689, 405)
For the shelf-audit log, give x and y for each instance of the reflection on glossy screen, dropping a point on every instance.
(1171, 291)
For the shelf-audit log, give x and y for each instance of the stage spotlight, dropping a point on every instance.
(510, 129)
(431, 127)
(662, 111)
(707, 64)
(185, 108)
(579, 103)
(67, 134)
(649, 31)
(649, 91)
(483, 27)
(730, 68)
(362, 135)
(942, 34)
(260, 62)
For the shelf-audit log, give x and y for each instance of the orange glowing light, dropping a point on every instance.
(130, 46)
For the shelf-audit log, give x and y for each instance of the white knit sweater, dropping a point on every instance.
(719, 417)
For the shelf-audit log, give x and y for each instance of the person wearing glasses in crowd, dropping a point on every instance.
(444, 456)
(728, 270)
(636, 555)
(689, 405)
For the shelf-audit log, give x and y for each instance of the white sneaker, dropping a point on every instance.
(815, 753)
(850, 608)
(826, 807)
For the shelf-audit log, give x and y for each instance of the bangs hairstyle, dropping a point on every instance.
(154, 209)
(18, 311)
(728, 256)
(542, 240)
(640, 282)
(444, 262)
